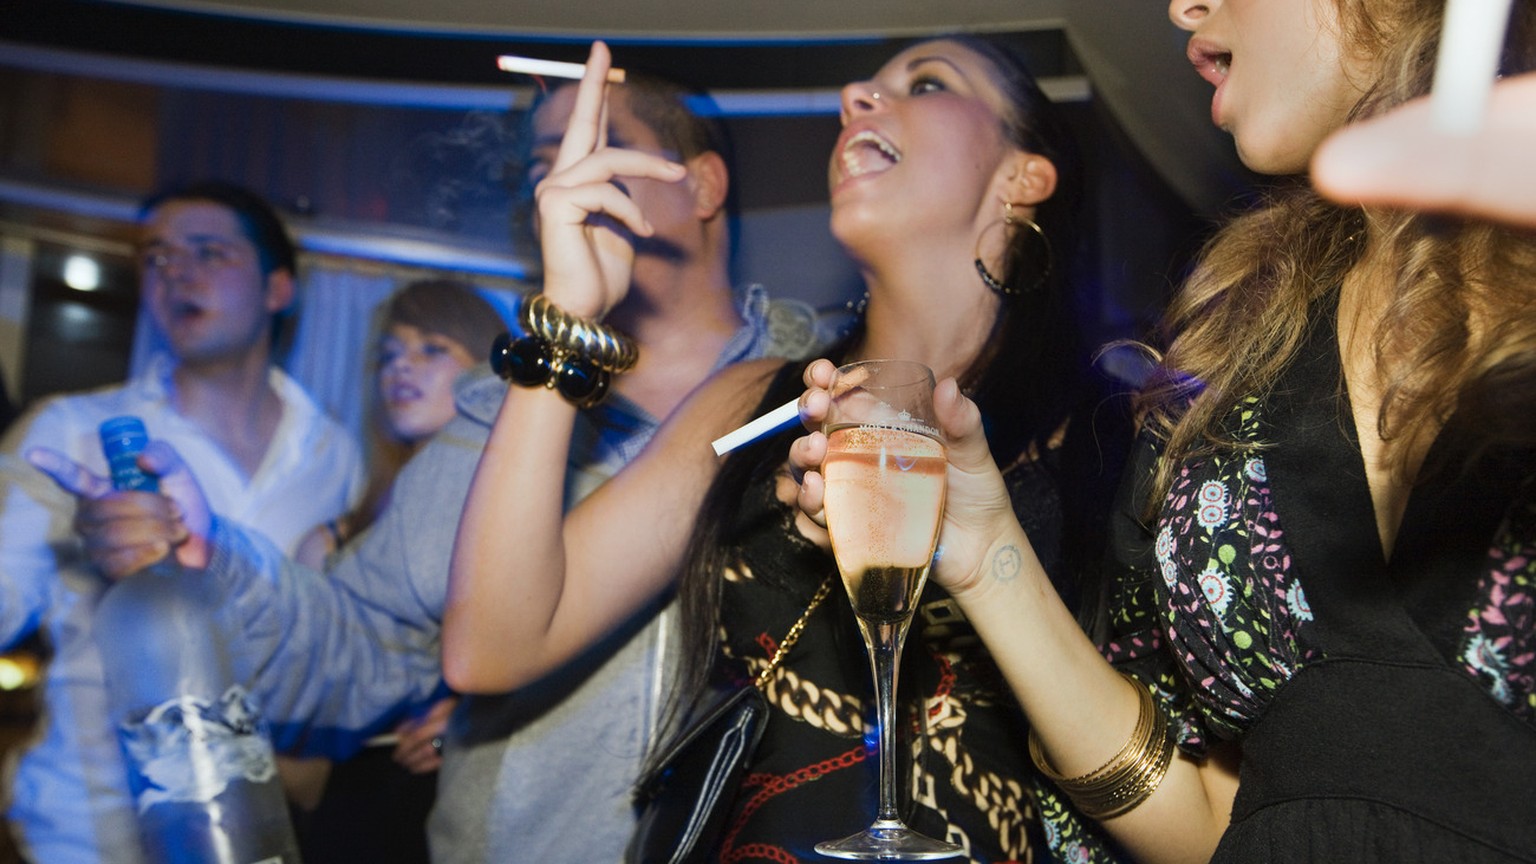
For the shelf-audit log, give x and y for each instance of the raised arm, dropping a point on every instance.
(531, 586)
(1082, 711)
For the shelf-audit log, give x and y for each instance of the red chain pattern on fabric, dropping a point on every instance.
(946, 684)
(1009, 804)
(771, 785)
(761, 852)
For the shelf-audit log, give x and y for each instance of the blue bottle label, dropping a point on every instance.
(122, 440)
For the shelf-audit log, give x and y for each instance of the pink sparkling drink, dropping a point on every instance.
(884, 501)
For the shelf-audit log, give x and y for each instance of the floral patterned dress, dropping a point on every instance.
(1386, 709)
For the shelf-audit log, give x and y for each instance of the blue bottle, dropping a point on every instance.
(122, 440)
(201, 769)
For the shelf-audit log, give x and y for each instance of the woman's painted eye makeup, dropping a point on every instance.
(926, 84)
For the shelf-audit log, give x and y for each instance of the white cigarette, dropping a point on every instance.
(771, 422)
(1468, 61)
(781, 416)
(550, 68)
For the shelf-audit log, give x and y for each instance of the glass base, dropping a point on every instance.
(889, 840)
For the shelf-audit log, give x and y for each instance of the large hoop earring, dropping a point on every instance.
(990, 280)
(1045, 256)
(987, 278)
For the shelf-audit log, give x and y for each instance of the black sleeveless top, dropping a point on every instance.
(1386, 710)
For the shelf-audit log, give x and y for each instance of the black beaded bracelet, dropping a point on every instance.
(529, 361)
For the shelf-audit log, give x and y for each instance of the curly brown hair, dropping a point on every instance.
(1458, 335)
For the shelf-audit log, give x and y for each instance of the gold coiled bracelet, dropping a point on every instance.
(1131, 776)
(604, 346)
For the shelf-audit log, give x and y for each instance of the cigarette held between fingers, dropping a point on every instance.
(779, 417)
(770, 422)
(1467, 63)
(550, 68)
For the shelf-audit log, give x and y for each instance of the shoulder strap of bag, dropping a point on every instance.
(793, 635)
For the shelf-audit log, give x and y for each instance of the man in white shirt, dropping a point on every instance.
(216, 268)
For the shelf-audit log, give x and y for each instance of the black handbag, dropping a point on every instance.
(683, 802)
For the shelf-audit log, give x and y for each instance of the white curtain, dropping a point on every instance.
(332, 350)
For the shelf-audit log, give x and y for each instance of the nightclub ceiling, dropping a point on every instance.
(1126, 51)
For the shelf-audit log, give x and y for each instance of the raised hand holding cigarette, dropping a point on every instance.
(586, 220)
(1465, 149)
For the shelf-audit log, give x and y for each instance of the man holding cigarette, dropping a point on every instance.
(543, 774)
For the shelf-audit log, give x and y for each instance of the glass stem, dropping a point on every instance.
(885, 641)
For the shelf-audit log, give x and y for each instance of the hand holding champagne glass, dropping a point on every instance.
(884, 474)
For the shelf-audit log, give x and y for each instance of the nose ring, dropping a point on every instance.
(875, 95)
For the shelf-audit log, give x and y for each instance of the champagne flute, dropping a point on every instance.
(884, 474)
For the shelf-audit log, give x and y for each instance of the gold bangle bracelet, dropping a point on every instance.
(604, 346)
(1131, 775)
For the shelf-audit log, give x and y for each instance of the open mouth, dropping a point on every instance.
(185, 310)
(401, 394)
(1211, 63)
(867, 153)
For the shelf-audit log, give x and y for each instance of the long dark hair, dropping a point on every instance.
(1024, 380)
(1029, 371)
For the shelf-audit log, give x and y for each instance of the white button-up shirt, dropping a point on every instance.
(69, 801)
